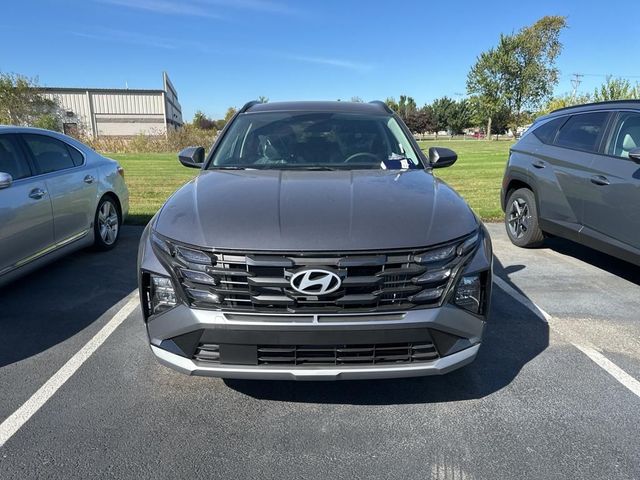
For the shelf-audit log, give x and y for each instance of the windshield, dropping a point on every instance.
(322, 141)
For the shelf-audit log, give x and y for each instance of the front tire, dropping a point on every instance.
(521, 219)
(106, 224)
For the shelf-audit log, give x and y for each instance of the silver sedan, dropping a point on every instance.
(56, 196)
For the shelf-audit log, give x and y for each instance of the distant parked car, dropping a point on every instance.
(56, 196)
(576, 174)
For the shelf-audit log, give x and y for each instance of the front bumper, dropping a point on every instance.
(436, 367)
(178, 336)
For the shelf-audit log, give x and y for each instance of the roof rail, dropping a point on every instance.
(608, 102)
(248, 105)
(382, 104)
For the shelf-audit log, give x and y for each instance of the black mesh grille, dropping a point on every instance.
(319, 355)
(377, 354)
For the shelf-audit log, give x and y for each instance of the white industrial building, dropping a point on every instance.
(110, 112)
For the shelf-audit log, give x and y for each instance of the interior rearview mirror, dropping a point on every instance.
(5, 180)
(440, 157)
(634, 155)
(192, 157)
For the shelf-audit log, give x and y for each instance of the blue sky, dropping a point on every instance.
(225, 52)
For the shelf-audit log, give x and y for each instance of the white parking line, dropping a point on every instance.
(544, 316)
(18, 418)
(598, 358)
(611, 368)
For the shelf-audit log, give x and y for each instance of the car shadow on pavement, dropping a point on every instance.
(57, 301)
(620, 268)
(514, 336)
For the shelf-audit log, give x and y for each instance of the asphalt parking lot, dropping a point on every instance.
(551, 395)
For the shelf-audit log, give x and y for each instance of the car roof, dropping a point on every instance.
(372, 108)
(16, 129)
(593, 107)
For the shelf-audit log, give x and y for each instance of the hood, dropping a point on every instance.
(284, 210)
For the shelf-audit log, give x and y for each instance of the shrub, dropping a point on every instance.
(143, 143)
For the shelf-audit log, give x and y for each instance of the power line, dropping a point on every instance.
(575, 83)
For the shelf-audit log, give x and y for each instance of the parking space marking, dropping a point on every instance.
(527, 302)
(590, 351)
(611, 368)
(18, 418)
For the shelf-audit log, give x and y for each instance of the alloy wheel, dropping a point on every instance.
(519, 218)
(108, 223)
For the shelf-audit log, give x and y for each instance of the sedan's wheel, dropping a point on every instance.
(521, 219)
(106, 224)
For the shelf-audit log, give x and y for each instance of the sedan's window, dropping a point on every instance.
(50, 154)
(315, 140)
(11, 159)
(77, 157)
(626, 135)
(582, 131)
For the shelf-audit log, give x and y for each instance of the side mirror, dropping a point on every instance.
(5, 180)
(634, 155)
(192, 157)
(440, 157)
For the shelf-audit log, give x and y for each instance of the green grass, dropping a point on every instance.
(152, 177)
(477, 175)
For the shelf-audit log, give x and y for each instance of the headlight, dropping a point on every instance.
(468, 293)
(162, 295)
(192, 271)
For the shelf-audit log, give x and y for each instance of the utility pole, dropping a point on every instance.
(575, 83)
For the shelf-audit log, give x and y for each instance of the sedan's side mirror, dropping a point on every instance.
(440, 157)
(192, 157)
(634, 155)
(5, 180)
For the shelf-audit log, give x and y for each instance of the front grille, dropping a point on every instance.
(262, 283)
(371, 282)
(377, 354)
(325, 355)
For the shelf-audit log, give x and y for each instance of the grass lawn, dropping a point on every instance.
(477, 175)
(152, 177)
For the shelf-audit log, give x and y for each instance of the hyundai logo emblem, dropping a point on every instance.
(315, 282)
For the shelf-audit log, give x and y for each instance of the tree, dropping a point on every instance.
(231, 111)
(520, 72)
(406, 106)
(22, 103)
(460, 116)
(392, 104)
(563, 101)
(201, 121)
(420, 121)
(356, 100)
(263, 99)
(441, 109)
(616, 89)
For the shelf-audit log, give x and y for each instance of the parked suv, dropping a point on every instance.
(315, 244)
(576, 174)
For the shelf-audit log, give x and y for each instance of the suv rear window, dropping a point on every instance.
(546, 132)
(582, 131)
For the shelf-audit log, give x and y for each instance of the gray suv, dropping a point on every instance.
(576, 174)
(315, 244)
